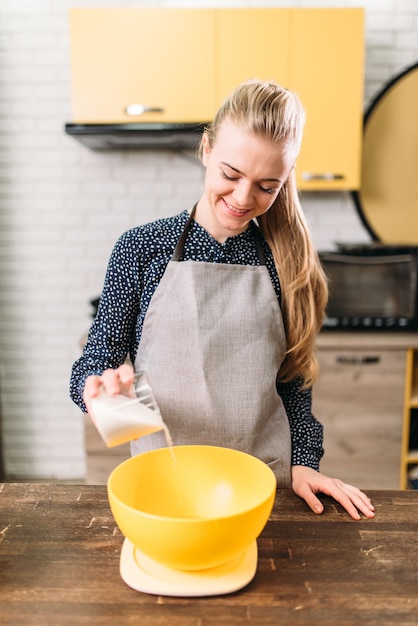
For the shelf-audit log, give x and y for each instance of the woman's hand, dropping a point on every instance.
(307, 482)
(114, 381)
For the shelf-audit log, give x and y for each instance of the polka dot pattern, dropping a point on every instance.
(135, 268)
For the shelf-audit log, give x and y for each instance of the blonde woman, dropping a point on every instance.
(221, 305)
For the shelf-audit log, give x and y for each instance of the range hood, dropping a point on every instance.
(142, 136)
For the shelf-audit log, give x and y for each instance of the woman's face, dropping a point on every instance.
(244, 174)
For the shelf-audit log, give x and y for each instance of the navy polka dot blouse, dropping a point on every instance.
(135, 268)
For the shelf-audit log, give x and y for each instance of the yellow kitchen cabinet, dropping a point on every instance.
(327, 61)
(252, 43)
(158, 62)
(409, 455)
(320, 54)
(175, 66)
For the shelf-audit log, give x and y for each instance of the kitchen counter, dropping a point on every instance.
(59, 565)
(367, 340)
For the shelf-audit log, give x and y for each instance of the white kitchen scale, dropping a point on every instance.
(144, 574)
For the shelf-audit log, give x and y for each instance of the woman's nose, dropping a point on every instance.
(243, 193)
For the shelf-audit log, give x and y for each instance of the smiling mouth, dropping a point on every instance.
(235, 210)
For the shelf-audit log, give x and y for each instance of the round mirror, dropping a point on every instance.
(387, 201)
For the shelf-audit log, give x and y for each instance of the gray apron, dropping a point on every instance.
(212, 344)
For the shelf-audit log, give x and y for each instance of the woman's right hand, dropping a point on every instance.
(114, 381)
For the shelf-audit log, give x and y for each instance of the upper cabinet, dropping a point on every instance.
(175, 66)
(147, 65)
(327, 61)
(252, 43)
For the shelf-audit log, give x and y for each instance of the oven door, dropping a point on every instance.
(371, 292)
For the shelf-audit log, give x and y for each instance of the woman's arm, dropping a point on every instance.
(305, 430)
(112, 334)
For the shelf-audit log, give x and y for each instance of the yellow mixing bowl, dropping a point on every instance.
(191, 507)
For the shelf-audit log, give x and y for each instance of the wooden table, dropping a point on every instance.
(59, 565)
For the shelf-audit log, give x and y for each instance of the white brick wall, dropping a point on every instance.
(62, 208)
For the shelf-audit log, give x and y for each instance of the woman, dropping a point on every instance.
(222, 314)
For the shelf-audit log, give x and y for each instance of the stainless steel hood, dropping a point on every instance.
(137, 136)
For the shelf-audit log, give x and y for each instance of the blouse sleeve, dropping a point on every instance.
(111, 334)
(305, 430)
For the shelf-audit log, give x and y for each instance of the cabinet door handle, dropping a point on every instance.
(357, 360)
(324, 176)
(140, 109)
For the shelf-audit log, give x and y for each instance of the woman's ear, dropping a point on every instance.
(206, 149)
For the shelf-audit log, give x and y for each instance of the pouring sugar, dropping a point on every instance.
(120, 419)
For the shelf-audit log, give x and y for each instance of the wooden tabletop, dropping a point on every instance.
(60, 549)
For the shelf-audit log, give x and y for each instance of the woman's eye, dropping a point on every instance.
(269, 190)
(227, 177)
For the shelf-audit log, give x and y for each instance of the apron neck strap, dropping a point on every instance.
(178, 251)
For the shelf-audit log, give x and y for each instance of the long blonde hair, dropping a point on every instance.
(272, 112)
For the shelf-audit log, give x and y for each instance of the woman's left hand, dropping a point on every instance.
(307, 482)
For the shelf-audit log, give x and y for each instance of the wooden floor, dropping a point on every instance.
(358, 460)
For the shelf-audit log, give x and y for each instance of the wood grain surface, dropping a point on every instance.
(59, 565)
